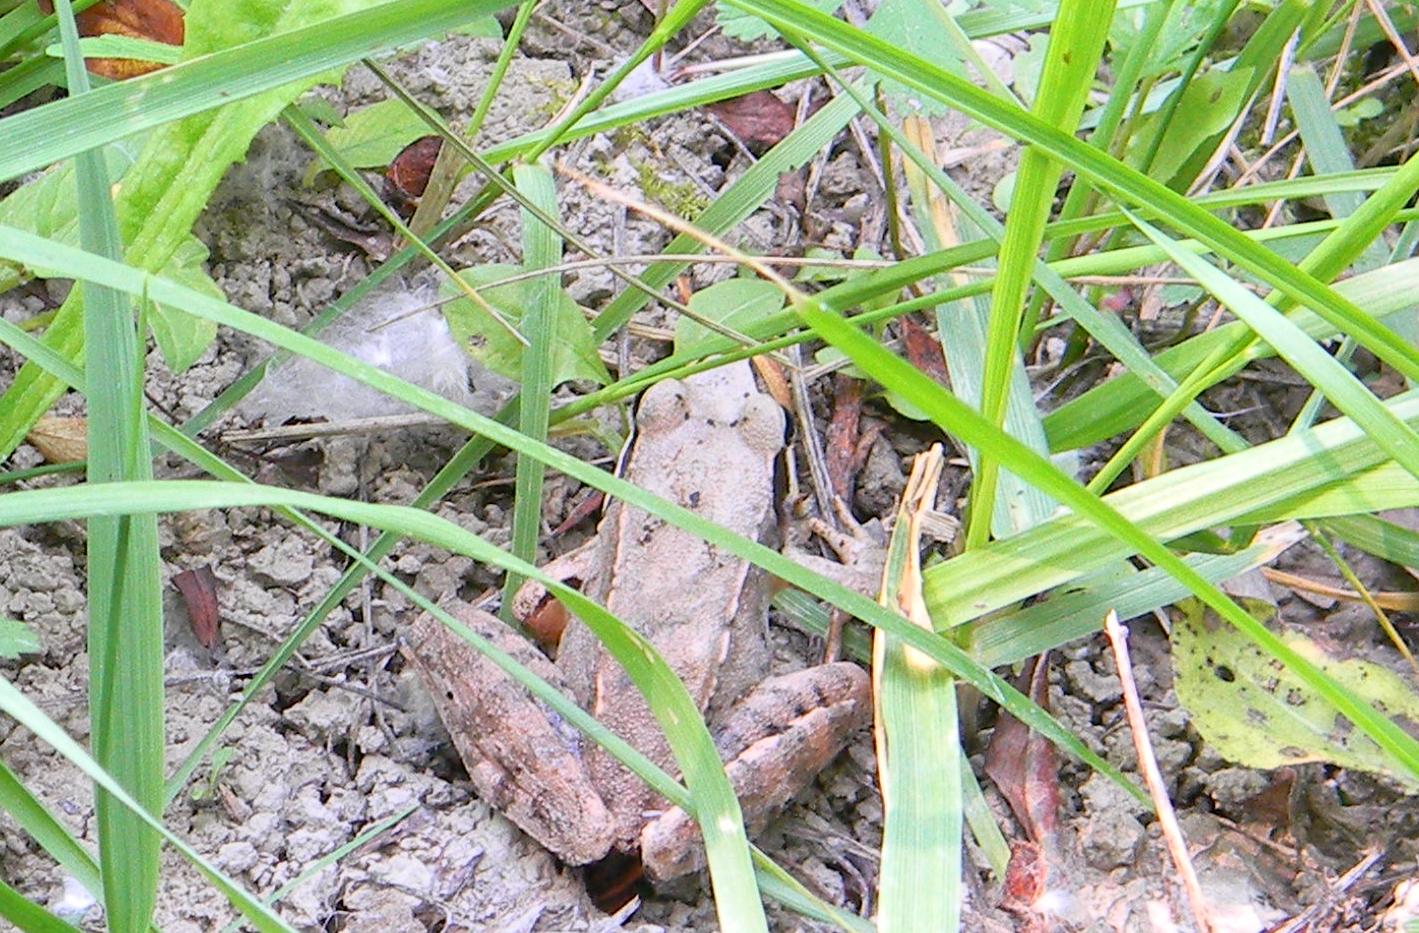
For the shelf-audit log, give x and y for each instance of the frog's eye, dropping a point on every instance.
(762, 425)
(663, 406)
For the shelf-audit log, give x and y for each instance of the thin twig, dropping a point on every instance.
(1148, 764)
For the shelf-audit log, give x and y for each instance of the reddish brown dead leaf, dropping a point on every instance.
(924, 350)
(1025, 766)
(155, 20)
(60, 440)
(758, 120)
(199, 592)
(410, 170)
(841, 435)
(587, 505)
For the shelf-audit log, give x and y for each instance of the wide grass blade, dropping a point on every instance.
(541, 249)
(125, 639)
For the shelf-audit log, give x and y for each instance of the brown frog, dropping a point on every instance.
(709, 444)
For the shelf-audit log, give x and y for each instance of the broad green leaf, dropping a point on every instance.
(372, 136)
(1257, 713)
(1209, 104)
(181, 337)
(740, 25)
(733, 303)
(574, 356)
(915, 25)
(46, 206)
(16, 638)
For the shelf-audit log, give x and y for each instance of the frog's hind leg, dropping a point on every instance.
(776, 739)
(524, 760)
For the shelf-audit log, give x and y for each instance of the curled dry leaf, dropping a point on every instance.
(410, 170)
(59, 439)
(155, 20)
(1024, 765)
(199, 592)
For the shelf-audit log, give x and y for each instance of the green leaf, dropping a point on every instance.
(372, 136)
(914, 25)
(573, 357)
(17, 638)
(742, 26)
(1210, 103)
(46, 206)
(181, 337)
(1257, 713)
(733, 303)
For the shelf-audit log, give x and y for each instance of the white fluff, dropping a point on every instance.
(387, 330)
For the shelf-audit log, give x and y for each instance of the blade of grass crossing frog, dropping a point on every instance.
(125, 603)
(541, 249)
(19, 707)
(715, 806)
(1108, 173)
(959, 419)
(918, 742)
(1071, 59)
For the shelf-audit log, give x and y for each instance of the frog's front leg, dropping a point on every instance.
(775, 740)
(524, 759)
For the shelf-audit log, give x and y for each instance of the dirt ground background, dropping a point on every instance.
(347, 737)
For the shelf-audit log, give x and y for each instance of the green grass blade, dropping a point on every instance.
(1319, 368)
(125, 639)
(44, 828)
(541, 249)
(1071, 59)
(1107, 173)
(29, 916)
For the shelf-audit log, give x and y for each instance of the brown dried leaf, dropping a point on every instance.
(924, 350)
(759, 120)
(155, 20)
(410, 170)
(199, 593)
(1025, 766)
(60, 440)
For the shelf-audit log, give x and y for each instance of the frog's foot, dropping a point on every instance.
(524, 760)
(861, 550)
(777, 738)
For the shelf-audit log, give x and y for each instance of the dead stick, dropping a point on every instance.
(1148, 764)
